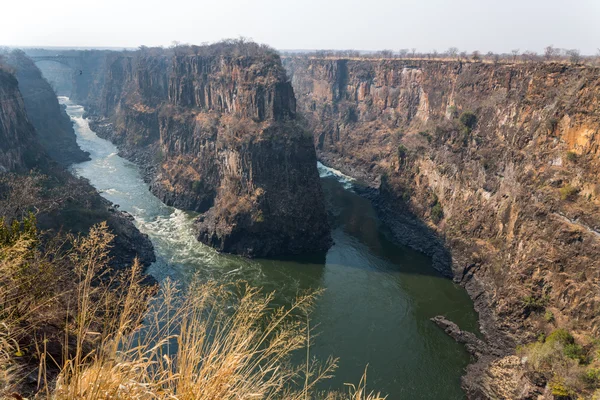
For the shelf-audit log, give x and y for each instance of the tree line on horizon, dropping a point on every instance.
(550, 54)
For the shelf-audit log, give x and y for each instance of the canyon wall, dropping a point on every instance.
(495, 163)
(19, 150)
(52, 124)
(31, 181)
(216, 129)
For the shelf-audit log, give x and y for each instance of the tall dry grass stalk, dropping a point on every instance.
(206, 341)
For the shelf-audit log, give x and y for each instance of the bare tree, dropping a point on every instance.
(463, 55)
(574, 56)
(435, 53)
(452, 52)
(414, 51)
(530, 56)
(515, 53)
(550, 52)
(385, 53)
(476, 56)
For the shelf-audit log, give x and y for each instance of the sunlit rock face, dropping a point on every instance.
(512, 189)
(217, 128)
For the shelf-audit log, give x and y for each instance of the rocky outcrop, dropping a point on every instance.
(63, 202)
(19, 150)
(498, 162)
(52, 124)
(218, 126)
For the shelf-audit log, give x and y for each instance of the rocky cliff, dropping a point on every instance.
(52, 124)
(61, 201)
(490, 168)
(19, 150)
(217, 127)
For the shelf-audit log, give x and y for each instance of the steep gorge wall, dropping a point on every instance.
(514, 196)
(19, 150)
(52, 124)
(220, 136)
(61, 201)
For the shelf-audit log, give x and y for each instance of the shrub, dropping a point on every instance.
(533, 303)
(551, 124)
(437, 213)
(561, 336)
(568, 192)
(592, 376)
(574, 351)
(453, 112)
(406, 196)
(402, 152)
(426, 136)
(468, 120)
(571, 156)
(549, 316)
(197, 187)
(560, 390)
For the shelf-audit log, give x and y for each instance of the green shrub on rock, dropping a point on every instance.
(468, 120)
(568, 192)
(437, 213)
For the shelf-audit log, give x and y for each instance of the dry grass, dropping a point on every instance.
(205, 341)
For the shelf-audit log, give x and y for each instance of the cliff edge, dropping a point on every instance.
(216, 127)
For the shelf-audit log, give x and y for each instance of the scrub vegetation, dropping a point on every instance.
(571, 369)
(70, 328)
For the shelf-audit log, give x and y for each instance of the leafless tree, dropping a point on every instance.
(574, 56)
(476, 56)
(515, 53)
(413, 51)
(529, 56)
(452, 52)
(550, 52)
(403, 53)
(463, 55)
(385, 53)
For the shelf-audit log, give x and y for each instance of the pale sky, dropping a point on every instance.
(496, 25)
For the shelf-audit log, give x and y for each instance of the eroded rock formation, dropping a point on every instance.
(19, 150)
(216, 127)
(62, 202)
(52, 124)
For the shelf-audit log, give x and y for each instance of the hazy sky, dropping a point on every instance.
(497, 25)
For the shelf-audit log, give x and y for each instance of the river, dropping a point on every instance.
(378, 296)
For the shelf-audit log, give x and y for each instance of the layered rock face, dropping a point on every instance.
(217, 126)
(52, 124)
(19, 150)
(62, 202)
(499, 161)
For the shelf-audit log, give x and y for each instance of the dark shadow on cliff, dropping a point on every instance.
(358, 215)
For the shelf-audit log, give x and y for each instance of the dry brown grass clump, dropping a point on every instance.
(89, 333)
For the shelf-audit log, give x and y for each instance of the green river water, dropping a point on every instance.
(378, 296)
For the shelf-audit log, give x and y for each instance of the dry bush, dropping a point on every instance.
(206, 341)
(215, 342)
